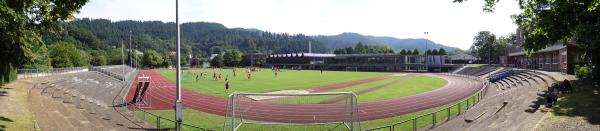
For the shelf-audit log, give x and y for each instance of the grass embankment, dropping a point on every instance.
(14, 106)
(579, 110)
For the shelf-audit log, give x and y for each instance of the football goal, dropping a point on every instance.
(292, 111)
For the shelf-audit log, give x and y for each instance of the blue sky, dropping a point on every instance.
(453, 24)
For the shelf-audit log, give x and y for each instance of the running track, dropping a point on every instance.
(161, 96)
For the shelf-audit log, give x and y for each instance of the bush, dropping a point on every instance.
(583, 71)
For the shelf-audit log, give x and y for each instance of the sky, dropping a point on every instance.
(452, 24)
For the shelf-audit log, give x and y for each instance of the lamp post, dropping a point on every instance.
(178, 104)
(426, 54)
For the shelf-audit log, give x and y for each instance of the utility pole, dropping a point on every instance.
(178, 104)
(123, 59)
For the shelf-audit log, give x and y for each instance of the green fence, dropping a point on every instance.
(162, 123)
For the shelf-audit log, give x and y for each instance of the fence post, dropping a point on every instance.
(448, 109)
(434, 120)
(158, 122)
(467, 103)
(459, 108)
(415, 124)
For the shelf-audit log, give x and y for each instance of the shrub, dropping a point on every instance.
(583, 71)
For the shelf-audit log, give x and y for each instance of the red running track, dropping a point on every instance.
(161, 95)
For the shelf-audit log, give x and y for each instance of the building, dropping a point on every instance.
(360, 62)
(462, 59)
(559, 57)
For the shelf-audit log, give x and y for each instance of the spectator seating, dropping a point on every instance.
(82, 101)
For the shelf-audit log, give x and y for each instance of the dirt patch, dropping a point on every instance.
(14, 112)
(258, 98)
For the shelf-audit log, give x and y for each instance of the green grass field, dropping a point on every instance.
(265, 80)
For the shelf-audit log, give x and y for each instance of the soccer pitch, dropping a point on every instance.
(263, 80)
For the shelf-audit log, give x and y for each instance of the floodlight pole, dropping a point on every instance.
(178, 105)
(426, 54)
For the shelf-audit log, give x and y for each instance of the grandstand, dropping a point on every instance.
(89, 100)
(512, 103)
(476, 71)
(95, 100)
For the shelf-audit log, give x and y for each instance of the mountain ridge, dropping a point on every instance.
(347, 39)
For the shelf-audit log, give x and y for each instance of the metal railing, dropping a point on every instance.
(31, 73)
(432, 119)
(162, 123)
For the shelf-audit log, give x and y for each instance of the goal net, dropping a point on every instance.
(352, 69)
(292, 111)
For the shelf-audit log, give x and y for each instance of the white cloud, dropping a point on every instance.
(449, 23)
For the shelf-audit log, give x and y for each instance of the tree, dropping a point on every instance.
(99, 58)
(409, 52)
(232, 58)
(428, 52)
(442, 52)
(360, 48)
(415, 52)
(22, 23)
(116, 56)
(339, 51)
(454, 52)
(66, 55)
(167, 61)
(483, 46)
(402, 52)
(152, 58)
(545, 22)
(434, 52)
(217, 61)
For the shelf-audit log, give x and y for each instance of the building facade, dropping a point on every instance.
(360, 62)
(559, 57)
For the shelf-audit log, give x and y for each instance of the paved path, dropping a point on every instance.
(162, 93)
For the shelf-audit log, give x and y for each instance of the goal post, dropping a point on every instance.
(292, 111)
(353, 69)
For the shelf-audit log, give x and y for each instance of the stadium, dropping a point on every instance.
(63, 71)
(292, 99)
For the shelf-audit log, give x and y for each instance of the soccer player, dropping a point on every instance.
(226, 85)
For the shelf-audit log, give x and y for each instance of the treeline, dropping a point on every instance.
(360, 48)
(99, 41)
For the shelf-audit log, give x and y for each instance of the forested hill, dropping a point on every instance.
(350, 39)
(200, 38)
